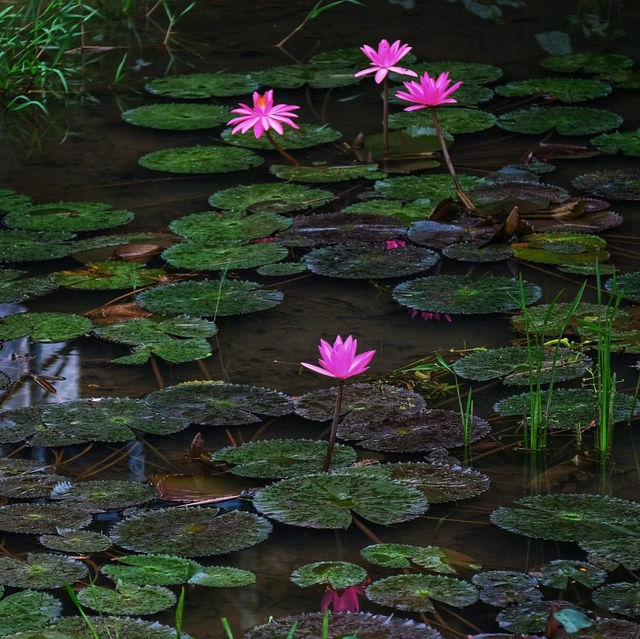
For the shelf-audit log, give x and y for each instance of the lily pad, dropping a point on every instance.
(27, 610)
(562, 89)
(612, 552)
(460, 294)
(280, 458)
(338, 574)
(178, 116)
(566, 120)
(76, 542)
(417, 592)
(343, 57)
(367, 261)
(394, 208)
(305, 136)
(222, 577)
(561, 248)
(532, 617)
(201, 159)
(127, 599)
(33, 246)
(10, 199)
(203, 85)
(562, 572)
(435, 187)
(217, 403)
(587, 62)
(190, 532)
(209, 298)
(453, 120)
(613, 184)
(466, 252)
(625, 142)
(67, 216)
(567, 517)
(506, 587)
(621, 598)
(405, 556)
(112, 275)
(29, 486)
(527, 196)
(104, 494)
(280, 269)
(150, 569)
(325, 501)
(44, 327)
(14, 288)
(468, 72)
(326, 173)
(41, 570)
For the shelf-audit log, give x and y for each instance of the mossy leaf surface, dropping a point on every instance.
(27, 610)
(41, 570)
(44, 327)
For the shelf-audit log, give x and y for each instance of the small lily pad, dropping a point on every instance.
(562, 572)
(394, 208)
(453, 120)
(33, 246)
(506, 587)
(326, 173)
(177, 116)
(468, 72)
(222, 577)
(305, 136)
(104, 494)
(435, 187)
(44, 327)
(466, 252)
(612, 552)
(625, 142)
(566, 120)
(562, 89)
(41, 570)
(127, 599)
(203, 85)
(613, 184)
(112, 275)
(532, 617)
(201, 159)
(405, 556)
(338, 574)
(156, 570)
(14, 288)
(561, 248)
(587, 62)
(27, 610)
(29, 486)
(76, 541)
(621, 598)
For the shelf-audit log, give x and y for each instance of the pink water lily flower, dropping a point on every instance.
(264, 115)
(340, 360)
(384, 59)
(428, 91)
(342, 599)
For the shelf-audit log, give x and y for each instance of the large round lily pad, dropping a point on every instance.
(33, 246)
(76, 541)
(452, 119)
(44, 327)
(435, 187)
(177, 116)
(566, 120)
(209, 298)
(301, 138)
(201, 159)
(41, 570)
(27, 610)
(111, 275)
(612, 184)
(190, 532)
(612, 552)
(202, 85)
(127, 599)
(460, 294)
(562, 89)
(625, 142)
(325, 501)
(104, 494)
(338, 574)
(14, 288)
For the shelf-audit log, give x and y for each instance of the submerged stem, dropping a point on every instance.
(280, 150)
(334, 426)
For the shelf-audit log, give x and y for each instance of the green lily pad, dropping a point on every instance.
(112, 275)
(612, 552)
(127, 599)
(625, 142)
(435, 187)
(201, 159)
(453, 120)
(270, 198)
(14, 288)
(104, 494)
(344, 57)
(613, 184)
(285, 76)
(459, 294)
(506, 587)
(417, 592)
(562, 572)
(566, 120)
(562, 89)
(280, 458)
(222, 577)
(338, 574)
(202, 85)
(532, 617)
(190, 532)
(406, 555)
(468, 72)
(393, 208)
(67, 216)
(76, 541)
(439, 235)
(18, 424)
(33, 246)
(566, 517)
(466, 252)
(305, 136)
(325, 173)
(17, 467)
(44, 327)
(109, 247)
(27, 610)
(29, 486)
(587, 62)
(150, 569)
(528, 197)
(209, 298)
(621, 598)
(280, 269)
(41, 570)
(217, 403)
(9, 200)
(561, 248)
(367, 261)
(325, 501)
(178, 116)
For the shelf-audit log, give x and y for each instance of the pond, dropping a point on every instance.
(402, 285)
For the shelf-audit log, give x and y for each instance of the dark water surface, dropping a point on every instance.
(96, 159)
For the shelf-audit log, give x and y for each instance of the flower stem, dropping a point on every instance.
(334, 426)
(385, 116)
(281, 151)
(464, 198)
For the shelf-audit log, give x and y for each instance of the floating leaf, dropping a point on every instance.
(613, 184)
(435, 187)
(222, 577)
(33, 246)
(14, 288)
(395, 208)
(44, 327)
(587, 62)
(305, 136)
(562, 572)
(338, 574)
(465, 252)
(469, 72)
(506, 587)
(127, 599)
(201, 159)
(41, 570)
(286, 76)
(621, 598)
(532, 617)
(177, 116)
(416, 592)
(202, 85)
(611, 552)
(280, 458)
(528, 197)
(209, 298)
(190, 532)
(325, 501)
(29, 486)
(104, 494)
(405, 555)
(567, 517)
(625, 142)
(156, 570)
(561, 248)
(112, 275)
(462, 295)
(566, 120)
(27, 610)
(453, 120)
(562, 89)
(344, 57)
(76, 541)
(323, 173)
(10, 200)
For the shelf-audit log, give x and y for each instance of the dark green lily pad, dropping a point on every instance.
(613, 184)
(280, 269)
(76, 542)
(506, 587)
(621, 598)
(566, 120)
(344, 57)
(41, 570)
(156, 570)
(112, 275)
(17, 467)
(325, 501)
(459, 294)
(612, 552)
(529, 197)
(33, 246)
(435, 187)
(416, 592)
(532, 617)
(453, 120)
(201, 159)
(587, 62)
(625, 142)
(280, 458)
(217, 403)
(18, 424)
(127, 599)
(14, 288)
(44, 327)
(310, 625)
(562, 89)
(406, 555)
(104, 494)
(270, 198)
(338, 574)
(27, 610)
(10, 200)
(326, 173)
(190, 532)
(588, 269)
(519, 365)
(468, 72)
(202, 85)
(222, 577)
(439, 235)
(394, 208)
(566, 517)
(29, 486)
(561, 248)
(209, 255)
(178, 116)
(369, 261)
(562, 572)
(109, 247)
(466, 252)
(209, 298)
(383, 399)
(305, 136)
(285, 76)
